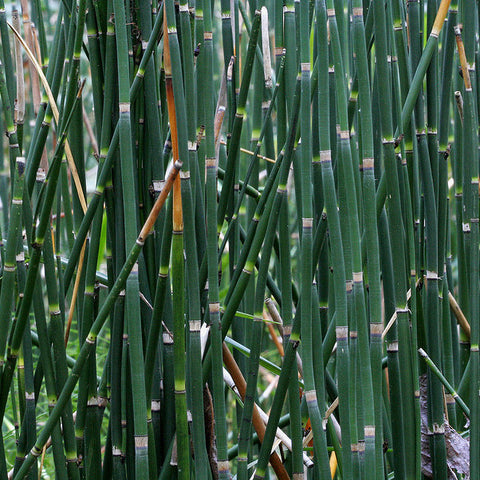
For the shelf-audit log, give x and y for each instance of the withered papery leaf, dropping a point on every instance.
(458, 448)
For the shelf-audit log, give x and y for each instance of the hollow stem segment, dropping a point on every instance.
(373, 431)
(178, 277)
(315, 406)
(213, 125)
(10, 264)
(202, 467)
(133, 323)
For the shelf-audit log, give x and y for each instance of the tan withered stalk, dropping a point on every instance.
(177, 199)
(457, 311)
(53, 104)
(73, 171)
(27, 27)
(257, 421)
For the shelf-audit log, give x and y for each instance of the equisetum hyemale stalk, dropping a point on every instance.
(315, 175)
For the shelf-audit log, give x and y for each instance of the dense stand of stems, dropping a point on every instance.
(329, 189)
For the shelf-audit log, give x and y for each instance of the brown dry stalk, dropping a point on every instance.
(75, 293)
(463, 59)
(27, 28)
(257, 421)
(440, 18)
(273, 334)
(457, 311)
(51, 100)
(91, 134)
(177, 196)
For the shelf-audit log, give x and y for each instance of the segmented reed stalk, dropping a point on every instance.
(317, 177)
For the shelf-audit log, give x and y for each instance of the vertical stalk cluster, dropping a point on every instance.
(168, 186)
